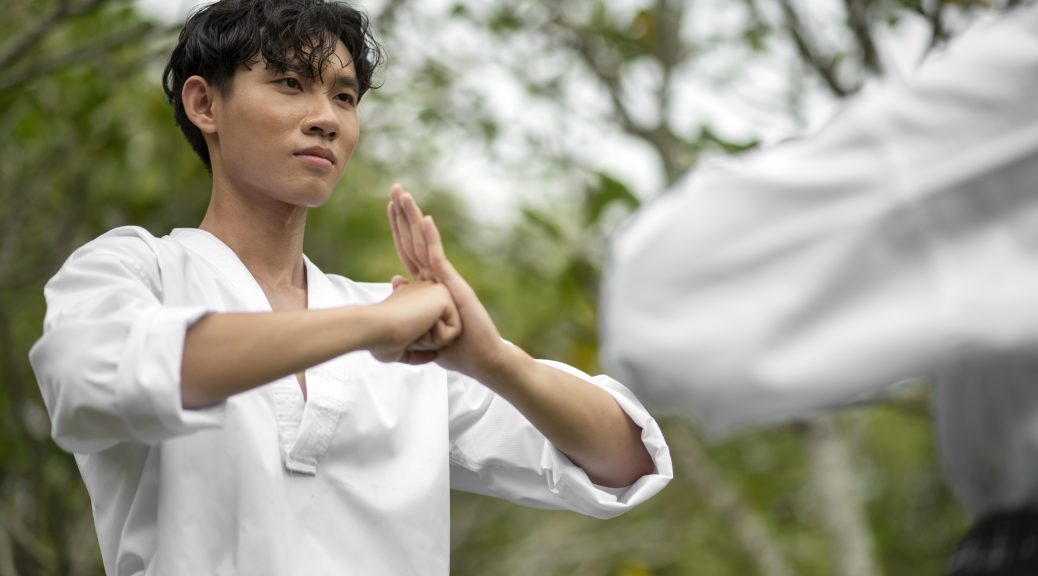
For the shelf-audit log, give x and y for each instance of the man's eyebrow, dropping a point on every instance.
(341, 81)
(346, 82)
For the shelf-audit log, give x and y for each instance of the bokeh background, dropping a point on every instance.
(530, 130)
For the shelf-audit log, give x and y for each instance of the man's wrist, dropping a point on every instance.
(506, 368)
(362, 327)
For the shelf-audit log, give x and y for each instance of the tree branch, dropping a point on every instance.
(7, 567)
(659, 136)
(824, 65)
(26, 539)
(938, 33)
(748, 530)
(669, 14)
(836, 483)
(611, 80)
(387, 17)
(19, 45)
(78, 55)
(859, 20)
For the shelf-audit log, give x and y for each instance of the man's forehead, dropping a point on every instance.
(339, 66)
(336, 67)
(341, 56)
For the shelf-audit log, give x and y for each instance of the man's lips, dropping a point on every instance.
(317, 156)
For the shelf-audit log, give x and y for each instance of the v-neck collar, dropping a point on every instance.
(305, 428)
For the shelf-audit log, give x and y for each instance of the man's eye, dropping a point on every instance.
(346, 97)
(291, 83)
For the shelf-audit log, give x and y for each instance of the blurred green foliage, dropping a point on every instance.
(87, 143)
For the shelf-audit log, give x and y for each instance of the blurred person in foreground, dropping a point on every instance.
(900, 241)
(235, 410)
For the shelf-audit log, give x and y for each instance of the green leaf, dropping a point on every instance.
(543, 223)
(606, 192)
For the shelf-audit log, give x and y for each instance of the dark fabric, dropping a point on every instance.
(1003, 544)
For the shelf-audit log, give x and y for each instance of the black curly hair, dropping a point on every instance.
(288, 35)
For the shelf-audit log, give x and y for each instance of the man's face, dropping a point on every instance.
(283, 137)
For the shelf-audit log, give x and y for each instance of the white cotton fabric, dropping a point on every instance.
(355, 480)
(901, 241)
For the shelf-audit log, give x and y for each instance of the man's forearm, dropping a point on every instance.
(229, 353)
(225, 354)
(580, 419)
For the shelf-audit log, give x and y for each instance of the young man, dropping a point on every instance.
(234, 410)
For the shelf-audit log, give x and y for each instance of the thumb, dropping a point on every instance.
(399, 281)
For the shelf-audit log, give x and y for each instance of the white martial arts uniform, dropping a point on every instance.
(355, 480)
(900, 241)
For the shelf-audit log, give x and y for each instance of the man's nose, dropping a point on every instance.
(322, 119)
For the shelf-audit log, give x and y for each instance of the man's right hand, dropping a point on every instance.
(228, 353)
(418, 319)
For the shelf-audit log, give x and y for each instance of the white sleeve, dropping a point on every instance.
(108, 362)
(821, 271)
(495, 451)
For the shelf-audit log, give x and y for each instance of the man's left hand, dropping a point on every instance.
(479, 351)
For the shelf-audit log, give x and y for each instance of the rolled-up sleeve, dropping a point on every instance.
(108, 363)
(495, 451)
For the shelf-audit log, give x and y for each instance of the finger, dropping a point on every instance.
(443, 269)
(414, 215)
(401, 239)
(412, 244)
(447, 331)
(399, 281)
(442, 333)
(401, 254)
(402, 226)
(427, 342)
(438, 261)
(430, 340)
(451, 316)
(395, 191)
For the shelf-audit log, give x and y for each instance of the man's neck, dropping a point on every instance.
(266, 236)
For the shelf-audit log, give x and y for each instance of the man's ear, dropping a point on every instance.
(199, 98)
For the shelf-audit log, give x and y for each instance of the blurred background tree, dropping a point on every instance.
(530, 130)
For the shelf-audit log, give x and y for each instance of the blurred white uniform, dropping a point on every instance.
(900, 241)
(355, 480)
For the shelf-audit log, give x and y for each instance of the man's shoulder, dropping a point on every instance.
(128, 248)
(122, 258)
(131, 241)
